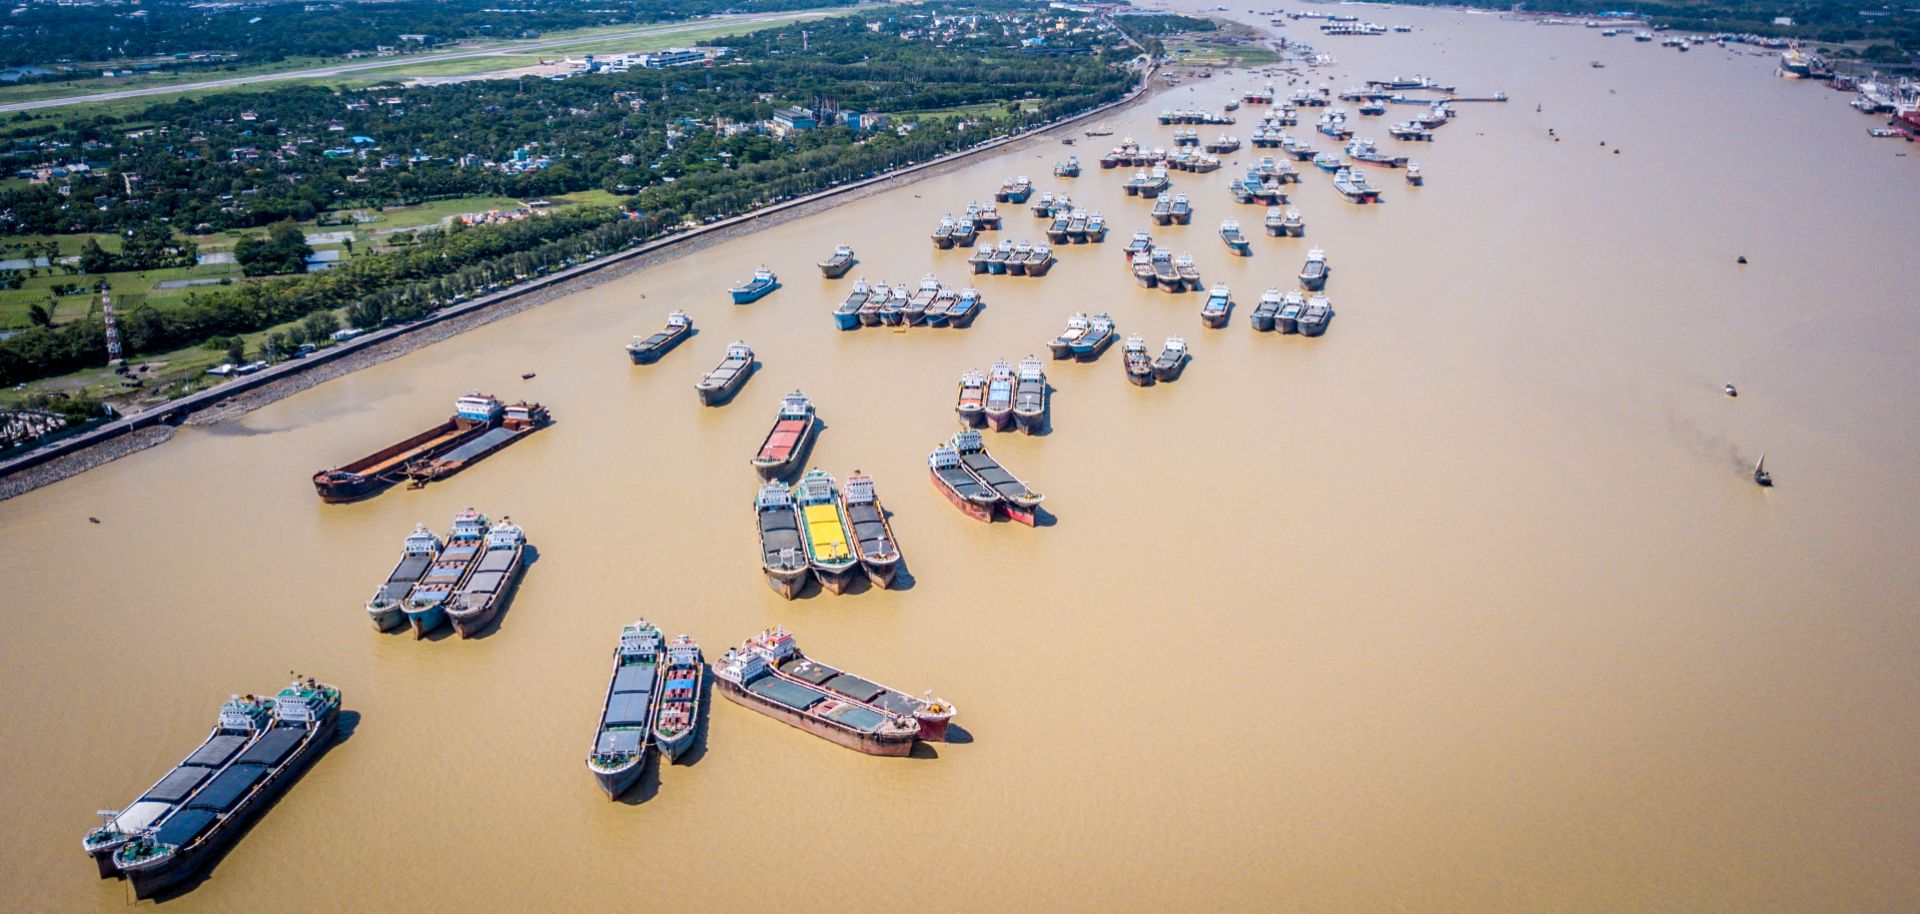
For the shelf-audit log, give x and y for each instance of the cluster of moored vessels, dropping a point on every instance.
(818, 530)
(931, 304)
(464, 580)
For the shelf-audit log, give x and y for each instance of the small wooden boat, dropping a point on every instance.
(1030, 396)
(782, 554)
(1172, 359)
(972, 402)
(1761, 477)
(755, 288)
(1095, 341)
(999, 407)
(678, 717)
(823, 525)
(974, 498)
(1135, 361)
(1218, 306)
(873, 534)
(1077, 327)
(719, 385)
(649, 350)
(1018, 501)
(785, 447)
(837, 265)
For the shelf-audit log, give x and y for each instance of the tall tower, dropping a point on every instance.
(113, 329)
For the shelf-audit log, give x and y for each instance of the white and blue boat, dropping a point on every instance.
(1327, 161)
(418, 554)
(754, 289)
(426, 605)
(625, 735)
(847, 315)
(1235, 240)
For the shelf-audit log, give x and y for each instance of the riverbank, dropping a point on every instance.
(71, 456)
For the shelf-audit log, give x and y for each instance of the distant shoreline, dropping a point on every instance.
(139, 431)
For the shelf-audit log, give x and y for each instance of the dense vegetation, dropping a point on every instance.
(261, 32)
(674, 147)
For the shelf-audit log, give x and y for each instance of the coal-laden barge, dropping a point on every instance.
(178, 844)
(480, 425)
(768, 673)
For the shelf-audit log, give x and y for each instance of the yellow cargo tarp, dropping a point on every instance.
(829, 537)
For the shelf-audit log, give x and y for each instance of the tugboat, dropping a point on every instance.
(971, 405)
(1096, 227)
(490, 584)
(1236, 242)
(386, 608)
(1219, 304)
(981, 257)
(242, 721)
(785, 447)
(1413, 174)
(1314, 320)
(1172, 360)
(719, 385)
(1267, 310)
(1165, 273)
(305, 716)
(649, 350)
(1292, 224)
(1182, 209)
(873, 535)
(829, 542)
(782, 555)
(974, 498)
(1287, 319)
(943, 233)
(769, 674)
(756, 288)
(1313, 276)
(846, 315)
(1030, 396)
(678, 717)
(1095, 341)
(1135, 361)
(1143, 270)
(625, 734)
(1187, 270)
(426, 602)
(1353, 186)
(999, 407)
(1077, 327)
(1018, 501)
(837, 265)
(1040, 261)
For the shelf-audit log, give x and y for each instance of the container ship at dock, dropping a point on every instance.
(769, 674)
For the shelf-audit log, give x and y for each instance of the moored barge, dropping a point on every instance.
(517, 420)
(1135, 361)
(387, 607)
(719, 385)
(757, 287)
(999, 405)
(648, 350)
(678, 717)
(872, 532)
(426, 603)
(625, 734)
(838, 263)
(786, 444)
(971, 404)
(782, 554)
(1172, 359)
(1017, 500)
(769, 674)
(490, 584)
(824, 526)
(1030, 396)
(473, 415)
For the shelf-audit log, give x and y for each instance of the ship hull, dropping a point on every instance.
(846, 320)
(1031, 423)
(424, 621)
(345, 484)
(652, 354)
(870, 743)
(615, 783)
(880, 573)
(971, 417)
(1262, 321)
(787, 584)
(836, 580)
(1140, 379)
(1019, 513)
(1000, 418)
(747, 296)
(1214, 320)
(468, 624)
(715, 396)
(834, 269)
(1039, 267)
(437, 469)
(982, 512)
(387, 618)
(1169, 372)
(672, 749)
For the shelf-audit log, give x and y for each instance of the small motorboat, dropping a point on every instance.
(1761, 477)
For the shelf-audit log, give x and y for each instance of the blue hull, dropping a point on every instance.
(426, 620)
(1019, 197)
(747, 295)
(846, 320)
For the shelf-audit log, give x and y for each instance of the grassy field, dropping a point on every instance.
(130, 290)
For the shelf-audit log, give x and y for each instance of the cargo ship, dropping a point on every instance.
(782, 554)
(1068, 169)
(1096, 227)
(971, 405)
(1414, 177)
(1165, 274)
(1077, 327)
(824, 525)
(838, 263)
(1287, 319)
(1057, 228)
(243, 719)
(872, 533)
(517, 420)
(1018, 501)
(873, 311)
(473, 415)
(965, 233)
(1017, 264)
(1163, 211)
(305, 715)
(625, 734)
(490, 584)
(769, 674)
(1353, 186)
(1136, 363)
(1218, 306)
(1266, 310)
(981, 257)
(1236, 241)
(1143, 270)
(678, 718)
(1014, 190)
(1077, 227)
(1276, 222)
(1187, 271)
(974, 498)
(1041, 260)
(1364, 152)
(1172, 359)
(648, 350)
(846, 315)
(426, 603)
(786, 444)
(1043, 205)
(1030, 396)
(1182, 209)
(988, 217)
(997, 261)
(1095, 341)
(966, 306)
(999, 406)
(1329, 162)
(1319, 313)
(755, 288)
(1294, 225)
(387, 608)
(1313, 275)
(719, 385)
(1141, 243)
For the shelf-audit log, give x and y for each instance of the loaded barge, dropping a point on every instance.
(678, 716)
(648, 350)
(787, 442)
(473, 416)
(516, 421)
(1015, 499)
(387, 607)
(782, 554)
(873, 534)
(768, 673)
(489, 585)
(625, 734)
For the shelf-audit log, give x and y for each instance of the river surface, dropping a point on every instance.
(1468, 605)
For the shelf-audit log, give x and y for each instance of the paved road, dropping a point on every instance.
(392, 63)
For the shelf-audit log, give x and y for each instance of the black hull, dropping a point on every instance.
(880, 574)
(334, 492)
(787, 584)
(1170, 372)
(652, 355)
(1031, 423)
(718, 396)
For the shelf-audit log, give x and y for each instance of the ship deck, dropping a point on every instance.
(870, 528)
(393, 461)
(779, 531)
(783, 440)
(478, 446)
(826, 532)
(994, 475)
